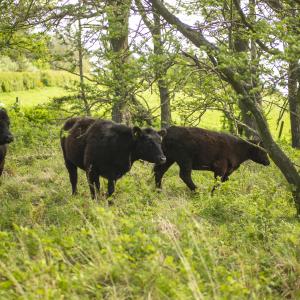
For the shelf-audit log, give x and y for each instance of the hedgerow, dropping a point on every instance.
(20, 81)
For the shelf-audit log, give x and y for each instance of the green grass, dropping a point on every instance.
(33, 97)
(243, 243)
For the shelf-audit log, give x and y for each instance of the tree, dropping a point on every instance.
(229, 74)
(294, 77)
(241, 45)
(160, 66)
(118, 18)
(288, 22)
(69, 51)
(17, 17)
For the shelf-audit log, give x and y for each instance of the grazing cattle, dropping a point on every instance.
(107, 149)
(5, 137)
(200, 149)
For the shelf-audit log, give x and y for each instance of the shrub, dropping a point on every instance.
(6, 64)
(20, 81)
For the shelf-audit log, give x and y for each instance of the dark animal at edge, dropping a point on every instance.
(107, 149)
(5, 137)
(200, 149)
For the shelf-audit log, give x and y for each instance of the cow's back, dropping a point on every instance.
(198, 145)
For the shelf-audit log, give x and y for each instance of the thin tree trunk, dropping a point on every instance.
(164, 104)
(294, 102)
(293, 69)
(81, 73)
(241, 45)
(118, 31)
(160, 73)
(159, 70)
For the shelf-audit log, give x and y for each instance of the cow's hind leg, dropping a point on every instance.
(185, 174)
(2, 166)
(160, 170)
(1, 169)
(110, 187)
(72, 169)
(93, 181)
(110, 190)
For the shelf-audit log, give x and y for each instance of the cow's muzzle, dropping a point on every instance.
(161, 160)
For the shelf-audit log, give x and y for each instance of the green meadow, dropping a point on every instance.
(242, 243)
(33, 97)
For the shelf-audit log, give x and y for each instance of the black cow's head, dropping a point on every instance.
(5, 135)
(257, 154)
(148, 145)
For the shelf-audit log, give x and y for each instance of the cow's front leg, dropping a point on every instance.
(160, 170)
(185, 174)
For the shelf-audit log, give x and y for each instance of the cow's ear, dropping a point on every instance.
(137, 132)
(162, 132)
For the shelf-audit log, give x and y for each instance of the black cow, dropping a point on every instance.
(5, 137)
(107, 149)
(195, 148)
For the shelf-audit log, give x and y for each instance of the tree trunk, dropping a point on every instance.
(164, 104)
(294, 102)
(159, 70)
(81, 74)
(118, 15)
(160, 73)
(241, 45)
(293, 67)
(278, 156)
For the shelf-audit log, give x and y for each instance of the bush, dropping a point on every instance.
(6, 64)
(20, 81)
(58, 78)
(33, 126)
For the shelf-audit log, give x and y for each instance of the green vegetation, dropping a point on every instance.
(243, 243)
(33, 97)
(20, 81)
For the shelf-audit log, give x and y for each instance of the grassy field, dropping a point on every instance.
(33, 97)
(242, 243)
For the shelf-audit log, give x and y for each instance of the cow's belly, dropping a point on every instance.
(201, 166)
(110, 171)
(199, 163)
